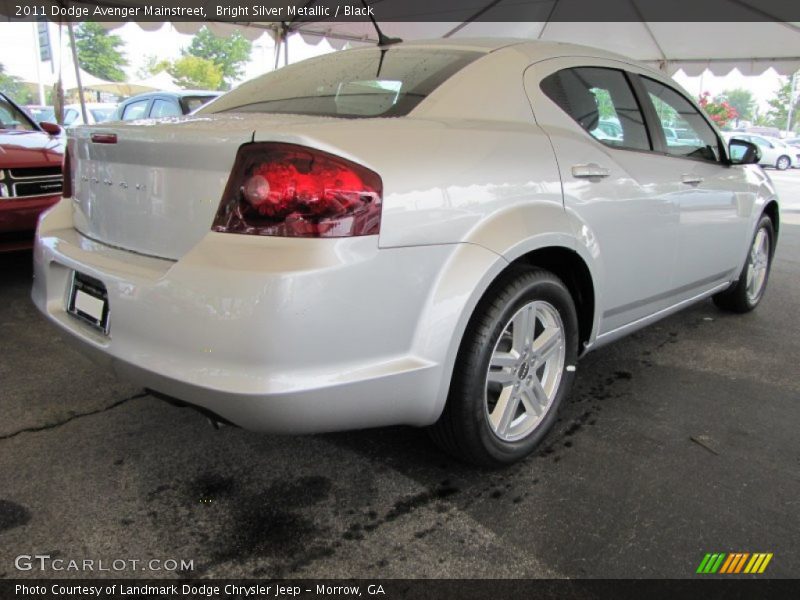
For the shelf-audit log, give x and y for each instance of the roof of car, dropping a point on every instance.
(174, 94)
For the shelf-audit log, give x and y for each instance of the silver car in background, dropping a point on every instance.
(429, 233)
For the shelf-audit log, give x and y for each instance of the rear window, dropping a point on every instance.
(191, 103)
(369, 82)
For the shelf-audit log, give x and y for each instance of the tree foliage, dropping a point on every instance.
(152, 65)
(193, 72)
(14, 88)
(742, 100)
(720, 112)
(778, 113)
(99, 52)
(229, 54)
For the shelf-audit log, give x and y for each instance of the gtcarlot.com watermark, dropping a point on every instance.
(44, 562)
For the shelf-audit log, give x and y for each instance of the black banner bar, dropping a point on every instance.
(731, 588)
(299, 11)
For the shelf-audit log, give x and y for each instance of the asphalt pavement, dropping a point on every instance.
(677, 441)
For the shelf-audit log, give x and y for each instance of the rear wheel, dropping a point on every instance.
(783, 163)
(746, 293)
(514, 367)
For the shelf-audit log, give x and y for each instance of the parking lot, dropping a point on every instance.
(677, 441)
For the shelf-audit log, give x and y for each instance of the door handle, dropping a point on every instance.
(590, 171)
(691, 179)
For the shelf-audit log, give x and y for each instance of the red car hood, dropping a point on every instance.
(29, 149)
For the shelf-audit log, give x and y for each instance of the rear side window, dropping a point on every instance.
(687, 133)
(601, 101)
(191, 103)
(135, 110)
(12, 118)
(369, 82)
(164, 108)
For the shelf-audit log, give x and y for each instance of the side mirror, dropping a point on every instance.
(50, 128)
(743, 153)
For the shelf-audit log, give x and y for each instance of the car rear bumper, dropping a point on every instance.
(18, 217)
(273, 334)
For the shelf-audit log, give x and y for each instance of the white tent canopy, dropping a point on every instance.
(747, 37)
(161, 81)
(69, 80)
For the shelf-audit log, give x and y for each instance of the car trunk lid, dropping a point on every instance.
(153, 187)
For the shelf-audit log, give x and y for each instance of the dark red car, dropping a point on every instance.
(30, 173)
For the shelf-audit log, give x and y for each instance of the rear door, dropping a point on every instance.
(713, 199)
(613, 183)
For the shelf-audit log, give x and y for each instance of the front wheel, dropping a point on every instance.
(514, 367)
(783, 163)
(746, 293)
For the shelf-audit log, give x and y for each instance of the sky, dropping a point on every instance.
(18, 55)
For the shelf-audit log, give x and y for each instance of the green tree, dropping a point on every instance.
(193, 72)
(778, 112)
(14, 88)
(229, 54)
(99, 52)
(152, 66)
(741, 100)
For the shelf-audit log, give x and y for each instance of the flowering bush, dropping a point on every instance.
(720, 112)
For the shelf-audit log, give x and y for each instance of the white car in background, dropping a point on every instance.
(401, 235)
(774, 152)
(96, 112)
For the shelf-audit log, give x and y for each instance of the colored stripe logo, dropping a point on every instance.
(734, 563)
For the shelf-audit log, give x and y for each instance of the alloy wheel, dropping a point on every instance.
(758, 265)
(525, 371)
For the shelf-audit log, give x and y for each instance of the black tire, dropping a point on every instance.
(736, 298)
(463, 430)
(783, 163)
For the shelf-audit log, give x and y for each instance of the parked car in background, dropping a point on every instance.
(429, 233)
(608, 129)
(30, 173)
(153, 105)
(41, 113)
(96, 112)
(774, 152)
(680, 137)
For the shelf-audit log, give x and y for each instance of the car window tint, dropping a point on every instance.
(135, 110)
(191, 103)
(601, 101)
(694, 137)
(164, 108)
(12, 118)
(368, 82)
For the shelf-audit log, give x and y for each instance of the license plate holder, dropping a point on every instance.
(88, 301)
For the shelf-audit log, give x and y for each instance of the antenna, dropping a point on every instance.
(383, 39)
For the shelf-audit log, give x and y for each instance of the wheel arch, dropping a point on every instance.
(557, 257)
(772, 211)
(567, 265)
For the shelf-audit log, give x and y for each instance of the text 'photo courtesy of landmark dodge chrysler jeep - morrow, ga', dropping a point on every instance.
(430, 233)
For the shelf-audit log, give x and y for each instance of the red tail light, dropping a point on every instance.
(294, 191)
(66, 171)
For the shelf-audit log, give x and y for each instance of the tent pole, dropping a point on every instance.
(285, 48)
(77, 71)
(278, 40)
